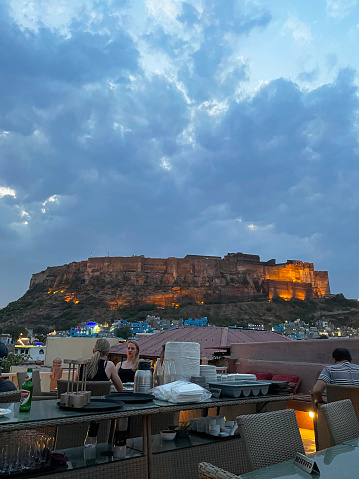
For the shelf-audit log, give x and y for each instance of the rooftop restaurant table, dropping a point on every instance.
(155, 458)
(341, 461)
(47, 413)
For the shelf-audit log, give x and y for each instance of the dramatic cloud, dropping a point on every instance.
(298, 30)
(340, 8)
(177, 127)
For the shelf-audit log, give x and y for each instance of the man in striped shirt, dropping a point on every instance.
(341, 372)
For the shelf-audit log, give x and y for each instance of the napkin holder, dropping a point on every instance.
(305, 463)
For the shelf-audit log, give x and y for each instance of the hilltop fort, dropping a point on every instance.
(126, 281)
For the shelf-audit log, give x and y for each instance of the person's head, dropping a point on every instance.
(341, 354)
(133, 352)
(102, 347)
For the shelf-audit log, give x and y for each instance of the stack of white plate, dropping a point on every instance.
(209, 372)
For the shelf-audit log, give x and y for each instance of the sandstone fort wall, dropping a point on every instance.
(169, 281)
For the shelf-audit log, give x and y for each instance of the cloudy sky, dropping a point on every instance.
(171, 127)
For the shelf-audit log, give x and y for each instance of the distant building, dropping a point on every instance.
(36, 352)
(195, 322)
(5, 338)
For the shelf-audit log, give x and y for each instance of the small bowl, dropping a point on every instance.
(168, 435)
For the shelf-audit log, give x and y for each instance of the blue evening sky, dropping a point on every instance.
(171, 127)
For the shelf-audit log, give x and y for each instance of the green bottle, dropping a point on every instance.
(26, 392)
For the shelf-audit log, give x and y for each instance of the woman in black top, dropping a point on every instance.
(100, 369)
(127, 369)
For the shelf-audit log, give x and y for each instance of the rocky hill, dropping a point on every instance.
(236, 289)
(38, 307)
(170, 282)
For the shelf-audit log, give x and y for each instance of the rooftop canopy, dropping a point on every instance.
(209, 339)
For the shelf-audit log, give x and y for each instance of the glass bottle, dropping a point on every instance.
(173, 370)
(166, 371)
(158, 373)
(26, 392)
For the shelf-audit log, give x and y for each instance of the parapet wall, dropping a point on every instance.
(305, 359)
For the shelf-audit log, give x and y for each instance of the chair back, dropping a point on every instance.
(10, 396)
(97, 388)
(21, 376)
(341, 421)
(208, 471)
(336, 392)
(270, 437)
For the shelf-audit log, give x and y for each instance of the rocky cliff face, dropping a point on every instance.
(234, 290)
(171, 282)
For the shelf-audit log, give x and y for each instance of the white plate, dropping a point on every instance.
(4, 411)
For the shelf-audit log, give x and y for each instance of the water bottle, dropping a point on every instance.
(26, 392)
(143, 378)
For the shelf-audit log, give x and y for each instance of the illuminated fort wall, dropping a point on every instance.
(169, 282)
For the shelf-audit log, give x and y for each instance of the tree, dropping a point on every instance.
(13, 360)
(41, 332)
(16, 331)
(123, 332)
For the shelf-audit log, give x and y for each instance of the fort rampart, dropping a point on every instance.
(169, 281)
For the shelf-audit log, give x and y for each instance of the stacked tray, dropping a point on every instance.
(242, 388)
(280, 388)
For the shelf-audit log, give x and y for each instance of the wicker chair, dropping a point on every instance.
(270, 437)
(336, 393)
(341, 421)
(10, 396)
(97, 388)
(37, 393)
(207, 471)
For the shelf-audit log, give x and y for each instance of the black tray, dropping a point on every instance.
(95, 405)
(130, 398)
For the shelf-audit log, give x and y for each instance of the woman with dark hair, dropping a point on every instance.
(127, 369)
(100, 369)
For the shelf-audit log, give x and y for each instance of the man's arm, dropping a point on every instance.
(318, 391)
